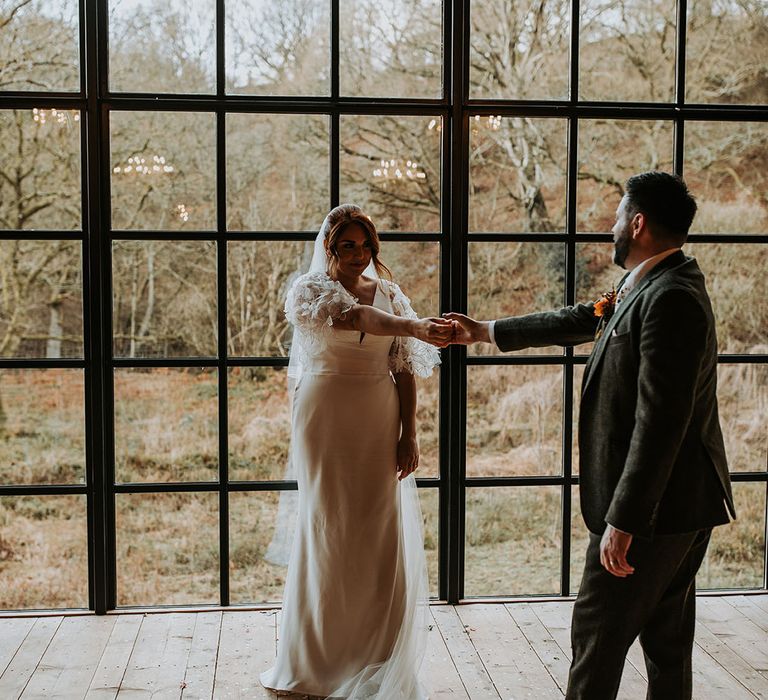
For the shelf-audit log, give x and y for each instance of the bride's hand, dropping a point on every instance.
(407, 455)
(436, 331)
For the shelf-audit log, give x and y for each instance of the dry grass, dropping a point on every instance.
(166, 429)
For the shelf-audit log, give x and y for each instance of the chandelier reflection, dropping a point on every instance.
(139, 165)
(399, 169)
(59, 117)
(492, 122)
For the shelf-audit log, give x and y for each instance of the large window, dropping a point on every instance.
(164, 168)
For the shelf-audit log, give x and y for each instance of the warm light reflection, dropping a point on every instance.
(399, 169)
(55, 116)
(139, 165)
(492, 122)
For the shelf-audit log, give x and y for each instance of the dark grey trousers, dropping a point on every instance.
(657, 602)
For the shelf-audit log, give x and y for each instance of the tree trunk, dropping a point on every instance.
(53, 346)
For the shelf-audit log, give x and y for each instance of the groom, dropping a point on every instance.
(653, 472)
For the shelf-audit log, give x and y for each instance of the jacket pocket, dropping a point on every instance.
(618, 339)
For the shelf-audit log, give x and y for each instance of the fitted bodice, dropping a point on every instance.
(350, 352)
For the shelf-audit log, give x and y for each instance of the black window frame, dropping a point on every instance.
(454, 108)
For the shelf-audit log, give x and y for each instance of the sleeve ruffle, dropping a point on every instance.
(409, 354)
(313, 303)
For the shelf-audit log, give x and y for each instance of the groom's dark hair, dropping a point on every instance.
(665, 201)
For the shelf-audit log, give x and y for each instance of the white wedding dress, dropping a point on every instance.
(354, 609)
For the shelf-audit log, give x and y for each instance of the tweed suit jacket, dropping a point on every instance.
(651, 454)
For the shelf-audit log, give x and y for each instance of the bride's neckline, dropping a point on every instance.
(375, 291)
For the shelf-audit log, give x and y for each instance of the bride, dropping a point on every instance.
(354, 609)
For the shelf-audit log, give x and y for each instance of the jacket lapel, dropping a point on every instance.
(668, 263)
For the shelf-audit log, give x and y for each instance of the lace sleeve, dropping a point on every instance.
(409, 354)
(312, 304)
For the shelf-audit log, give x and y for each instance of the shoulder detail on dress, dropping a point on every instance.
(314, 301)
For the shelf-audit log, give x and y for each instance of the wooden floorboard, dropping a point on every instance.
(512, 664)
(71, 658)
(246, 649)
(201, 667)
(13, 632)
(478, 651)
(24, 662)
(439, 672)
(552, 657)
(113, 663)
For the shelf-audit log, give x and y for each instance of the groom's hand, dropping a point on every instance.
(613, 552)
(433, 330)
(466, 330)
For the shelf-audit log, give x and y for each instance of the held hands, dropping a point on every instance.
(613, 552)
(407, 455)
(436, 331)
(453, 328)
(466, 330)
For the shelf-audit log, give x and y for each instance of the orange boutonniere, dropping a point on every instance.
(604, 308)
(605, 305)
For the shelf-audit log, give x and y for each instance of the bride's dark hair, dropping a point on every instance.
(337, 221)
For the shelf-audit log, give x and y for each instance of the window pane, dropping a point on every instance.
(511, 42)
(416, 269)
(258, 570)
(277, 172)
(511, 279)
(44, 552)
(579, 542)
(278, 48)
(428, 425)
(517, 171)
(258, 275)
(609, 153)
(429, 500)
(390, 166)
(514, 420)
(163, 170)
(166, 425)
(742, 397)
(162, 46)
(40, 46)
(726, 52)
(40, 169)
(578, 380)
(391, 48)
(167, 548)
(736, 554)
(260, 272)
(722, 169)
(259, 423)
(513, 541)
(615, 62)
(255, 575)
(596, 274)
(738, 290)
(42, 426)
(164, 298)
(41, 299)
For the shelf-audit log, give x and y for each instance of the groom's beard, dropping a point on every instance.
(621, 248)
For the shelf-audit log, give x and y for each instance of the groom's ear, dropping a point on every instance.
(638, 224)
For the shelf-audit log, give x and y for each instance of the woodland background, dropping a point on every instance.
(277, 179)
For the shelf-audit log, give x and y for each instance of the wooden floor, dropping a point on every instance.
(478, 651)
